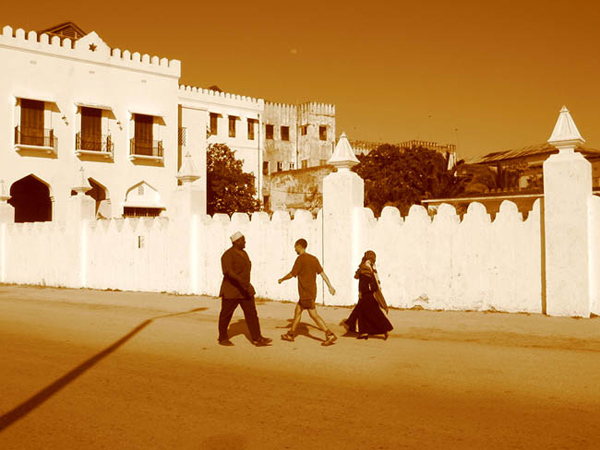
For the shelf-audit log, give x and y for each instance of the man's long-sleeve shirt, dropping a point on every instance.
(236, 267)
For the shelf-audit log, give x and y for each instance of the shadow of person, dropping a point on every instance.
(239, 327)
(304, 329)
(350, 334)
(42, 396)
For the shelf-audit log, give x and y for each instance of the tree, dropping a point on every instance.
(230, 189)
(403, 177)
(481, 178)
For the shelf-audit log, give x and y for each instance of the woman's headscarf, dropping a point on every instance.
(363, 267)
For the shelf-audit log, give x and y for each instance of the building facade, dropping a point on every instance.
(298, 136)
(70, 102)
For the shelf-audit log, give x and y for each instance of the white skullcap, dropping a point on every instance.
(235, 236)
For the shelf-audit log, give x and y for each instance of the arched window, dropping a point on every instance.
(142, 200)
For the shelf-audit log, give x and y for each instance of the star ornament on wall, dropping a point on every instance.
(93, 47)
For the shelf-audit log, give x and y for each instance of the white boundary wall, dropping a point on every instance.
(444, 263)
(473, 264)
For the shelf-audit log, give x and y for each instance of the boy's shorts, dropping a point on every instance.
(306, 304)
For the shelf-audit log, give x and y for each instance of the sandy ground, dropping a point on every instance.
(82, 369)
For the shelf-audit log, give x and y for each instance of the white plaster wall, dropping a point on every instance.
(125, 82)
(445, 264)
(270, 245)
(145, 254)
(42, 253)
(470, 265)
(594, 254)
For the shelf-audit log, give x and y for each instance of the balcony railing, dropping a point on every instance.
(148, 149)
(100, 144)
(35, 137)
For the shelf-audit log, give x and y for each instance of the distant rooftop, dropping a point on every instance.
(364, 147)
(65, 30)
(531, 150)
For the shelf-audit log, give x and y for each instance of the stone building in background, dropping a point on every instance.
(297, 138)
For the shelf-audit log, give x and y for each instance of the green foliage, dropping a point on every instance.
(230, 189)
(403, 177)
(482, 178)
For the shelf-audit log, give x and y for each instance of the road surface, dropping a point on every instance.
(82, 369)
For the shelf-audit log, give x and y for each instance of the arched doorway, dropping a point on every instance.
(31, 199)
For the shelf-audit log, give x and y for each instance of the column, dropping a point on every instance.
(343, 201)
(7, 215)
(189, 205)
(81, 210)
(567, 199)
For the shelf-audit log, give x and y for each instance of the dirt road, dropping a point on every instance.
(110, 370)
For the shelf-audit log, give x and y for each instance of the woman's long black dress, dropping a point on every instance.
(371, 319)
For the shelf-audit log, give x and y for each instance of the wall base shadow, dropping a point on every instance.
(42, 396)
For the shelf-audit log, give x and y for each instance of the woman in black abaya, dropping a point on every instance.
(369, 311)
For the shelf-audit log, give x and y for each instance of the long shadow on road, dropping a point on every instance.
(42, 396)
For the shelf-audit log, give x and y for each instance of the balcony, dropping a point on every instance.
(143, 150)
(35, 139)
(94, 146)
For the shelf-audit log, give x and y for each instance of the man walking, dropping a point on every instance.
(236, 289)
(306, 269)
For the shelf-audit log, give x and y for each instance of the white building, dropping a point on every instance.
(233, 120)
(71, 104)
(69, 101)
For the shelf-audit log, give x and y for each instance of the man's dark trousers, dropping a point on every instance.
(228, 306)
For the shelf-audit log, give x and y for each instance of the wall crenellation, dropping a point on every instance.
(327, 109)
(201, 93)
(66, 47)
(446, 213)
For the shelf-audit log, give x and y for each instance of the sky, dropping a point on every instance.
(486, 76)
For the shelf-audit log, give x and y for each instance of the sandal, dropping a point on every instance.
(329, 340)
(288, 337)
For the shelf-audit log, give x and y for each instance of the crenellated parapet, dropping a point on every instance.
(314, 108)
(90, 48)
(222, 98)
(322, 109)
(281, 109)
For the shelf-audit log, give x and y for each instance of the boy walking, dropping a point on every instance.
(306, 269)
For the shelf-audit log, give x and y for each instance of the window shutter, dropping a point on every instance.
(32, 122)
(91, 128)
(143, 134)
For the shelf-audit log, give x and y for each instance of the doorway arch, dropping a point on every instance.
(30, 197)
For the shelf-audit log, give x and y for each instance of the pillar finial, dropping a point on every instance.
(343, 156)
(565, 136)
(188, 173)
(82, 185)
